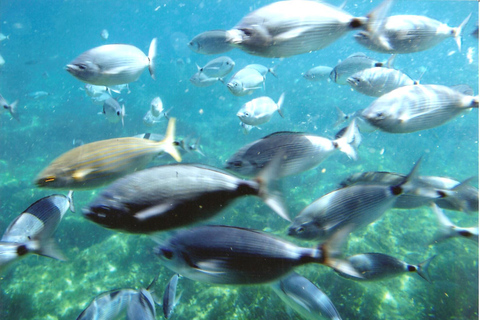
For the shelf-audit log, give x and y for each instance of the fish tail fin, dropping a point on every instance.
(375, 23)
(454, 198)
(152, 53)
(475, 101)
(273, 71)
(168, 143)
(48, 248)
(446, 229)
(272, 198)
(348, 142)
(341, 117)
(13, 110)
(458, 32)
(422, 269)
(280, 104)
(70, 201)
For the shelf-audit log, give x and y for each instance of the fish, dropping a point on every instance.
(245, 82)
(31, 232)
(260, 110)
(448, 230)
(218, 67)
(200, 79)
(356, 206)
(232, 255)
(4, 37)
(113, 111)
(263, 70)
(319, 73)
(38, 94)
(156, 107)
(186, 145)
(108, 305)
(118, 88)
(210, 42)
(104, 34)
(410, 33)
(142, 304)
(352, 64)
(113, 64)
(95, 91)
(305, 297)
(169, 296)
(2, 61)
(379, 266)
(302, 152)
(247, 128)
(460, 195)
(377, 81)
(11, 108)
(99, 163)
(286, 28)
(172, 196)
(417, 107)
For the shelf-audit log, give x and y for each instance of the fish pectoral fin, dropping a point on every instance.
(79, 175)
(210, 267)
(292, 34)
(116, 70)
(153, 211)
(299, 301)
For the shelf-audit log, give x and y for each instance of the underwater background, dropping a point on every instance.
(45, 35)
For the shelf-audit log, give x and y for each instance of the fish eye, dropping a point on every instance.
(82, 66)
(246, 114)
(237, 163)
(22, 250)
(380, 115)
(300, 229)
(167, 253)
(49, 179)
(118, 113)
(247, 32)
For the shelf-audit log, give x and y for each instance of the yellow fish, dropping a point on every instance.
(99, 163)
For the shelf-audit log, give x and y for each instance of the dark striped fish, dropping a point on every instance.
(169, 296)
(98, 163)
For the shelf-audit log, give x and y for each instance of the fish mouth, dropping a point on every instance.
(351, 82)
(230, 85)
(70, 68)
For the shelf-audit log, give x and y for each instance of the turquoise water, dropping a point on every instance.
(45, 37)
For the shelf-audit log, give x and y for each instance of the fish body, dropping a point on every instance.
(319, 73)
(11, 108)
(301, 152)
(141, 306)
(108, 305)
(98, 163)
(418, 107)
(156, 107)
(304, 297)
(352, 64)
(379, 266)
(200, 79)
(104, 34)
(210, 42)
(232, 255)
(169, 296)
(378, 81)
(410, 33)
(218, 67)
(112, 64)
(113, 111)
(245, 82)
(172, 196)
(260, 110)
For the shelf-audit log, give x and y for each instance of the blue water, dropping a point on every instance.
(46, 35)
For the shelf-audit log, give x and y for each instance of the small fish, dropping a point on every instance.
(118, 88)
(301, 152)
(200, 79)
(260, 110)
(233, 255)
(247, 128)
(98, 163)
(304, 297)
(4, 37)
(319, 73)
(142, 305)
(218, 67)
(12, 108)
(38, 94)
(245, 82)
(112, 64)
(210, 42)
(448, 230)
(263, 70)
(377, 81)
(286, 28)
(409, 33)
(2, 61)
(108, 305)
(169, 297)
(113, 111)
(104, 34)
(379, 266)
(156, 107)
(418, 107)
(172, 196)
(352, 64)
(95, 91)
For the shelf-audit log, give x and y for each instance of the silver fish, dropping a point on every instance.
(232, 255)
(218, 67)
(379, 266)
(38, 94)
(142, 306)
(287, 28)
(95, 91)
(12, 108)
(113, 111)
(169, 296)
(418, 107)
(410, 33)
(260, 110)
(156, 107)
(108, 305)
(301, 152)
(319, 73)
(352, 64)
(376, 82)
(4, 37)
(263, 70)
(172, 196)
(112, 64)
(2, 61)
(104, 34)
(304, 297)
(210, 42)
(245, 82)
(119, 88)
(200, 79)
(448, 230)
